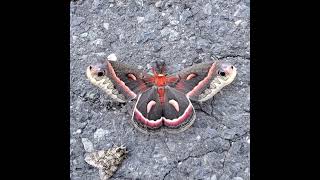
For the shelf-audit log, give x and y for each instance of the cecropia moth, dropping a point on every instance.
(164, 101)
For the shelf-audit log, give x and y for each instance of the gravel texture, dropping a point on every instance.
(182, 33)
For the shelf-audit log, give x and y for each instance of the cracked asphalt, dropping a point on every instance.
(182, 33)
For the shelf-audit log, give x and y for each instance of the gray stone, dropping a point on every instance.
(173, 35)
(237, 178)
(140, 2)
(140, 19)
(84, 34)
(207, 9)
(229, 133)
(202, 43)
(77, 132)
(106, 26)
(77, 21)
(100, 133)
(87, 144)
(158, 4)
(145, 36)
(157, 47)
(185, 15)
(213, 177)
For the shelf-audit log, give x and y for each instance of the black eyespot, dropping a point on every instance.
(100, 73)
(231, 67)
(222, 73)
(90, 67)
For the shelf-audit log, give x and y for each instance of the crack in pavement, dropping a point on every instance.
(211, 114)
(225, 152)
(167, 173)
(166, 145)
(234, 56)
(202, 105)
(225, 156)
(235, 139)
(176, 163)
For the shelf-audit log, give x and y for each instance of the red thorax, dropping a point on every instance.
(161, 80)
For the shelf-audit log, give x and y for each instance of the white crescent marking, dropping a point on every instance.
(149, 105)
(191, 76)
(174, 104)
(132, 77)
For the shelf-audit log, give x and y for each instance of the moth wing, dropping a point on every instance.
(202, 81)
(103, 174)
(175, 114)
(129, 80)
(178, 111)
(120, 81)
(147, 114)
(193, 80)
(93, 158)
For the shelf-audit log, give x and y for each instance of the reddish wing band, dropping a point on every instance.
(194, 80)
(128, 81)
